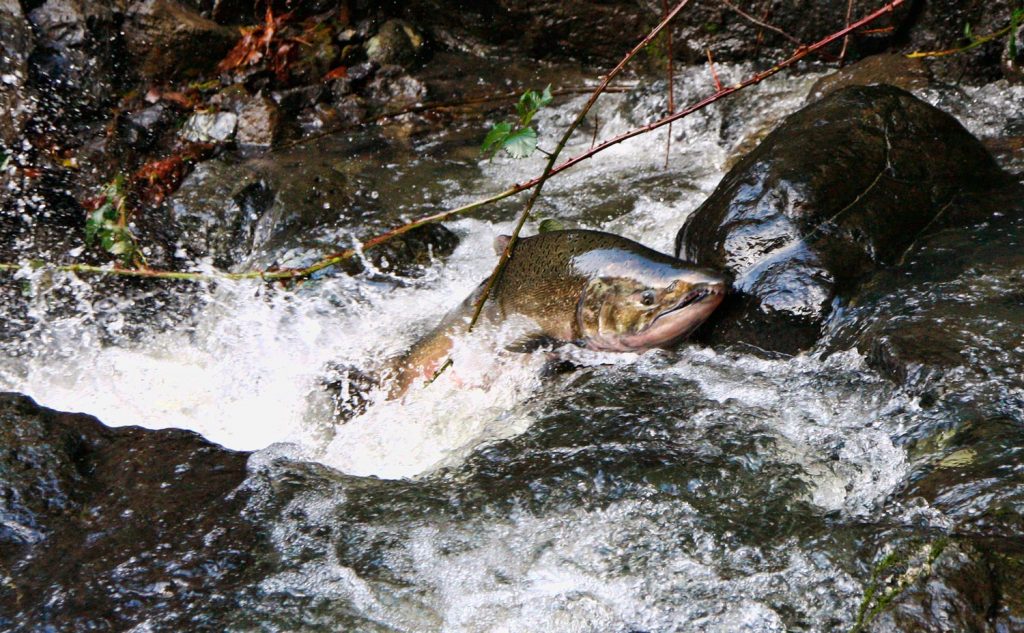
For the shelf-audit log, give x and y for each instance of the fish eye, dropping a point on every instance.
(647, 297)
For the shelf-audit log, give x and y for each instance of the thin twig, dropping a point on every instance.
(953, 51)
(714, 73)
(762, 23)
(846, 39)
(671, 91)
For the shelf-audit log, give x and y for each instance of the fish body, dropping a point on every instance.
(594, 289)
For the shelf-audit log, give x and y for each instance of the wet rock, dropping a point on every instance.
(168, 40)
(230, 98)
(394, 88)
(140, 130)
(210, 127)
(951, 308)
(217, 208)
(293, 100)
(104, 528)
(15, 46)
(396, 43)
(940, 24)
(258, 122)
(603, 30)
(360, 73)
(411, 253)
(77, 63)
(937, 585)
(886, 68)
(839, 189)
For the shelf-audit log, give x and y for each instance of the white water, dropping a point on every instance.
(244, 375)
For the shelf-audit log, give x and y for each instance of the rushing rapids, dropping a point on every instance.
(685, 490)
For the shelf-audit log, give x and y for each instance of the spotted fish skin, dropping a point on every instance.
(592, 288)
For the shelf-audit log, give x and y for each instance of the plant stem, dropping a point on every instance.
(953, 51)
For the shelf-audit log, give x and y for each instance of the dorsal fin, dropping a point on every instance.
(500, 243)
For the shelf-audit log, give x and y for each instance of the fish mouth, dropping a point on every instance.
(694, 296)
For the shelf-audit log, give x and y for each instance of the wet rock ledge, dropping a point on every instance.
(103, 528)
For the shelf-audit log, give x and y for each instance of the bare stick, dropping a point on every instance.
(846, 39)
(671, 91)
(714, 73)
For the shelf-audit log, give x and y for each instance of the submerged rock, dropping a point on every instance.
(103, 529)
(841, 188)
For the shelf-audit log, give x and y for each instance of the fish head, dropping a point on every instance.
(630, 311)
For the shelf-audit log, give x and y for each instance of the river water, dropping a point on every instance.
(685, 490)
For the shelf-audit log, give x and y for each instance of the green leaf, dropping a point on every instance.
(496, 138)
(545, 98)
(96, 223)
(119, 247)
(967, 32)
(521, 143)
(1016, 18)
(530, 102)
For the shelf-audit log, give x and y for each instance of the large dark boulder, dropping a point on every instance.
(841, 188)
(101, 529)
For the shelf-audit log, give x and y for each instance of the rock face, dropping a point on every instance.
(169, 40)
(258, 122)
(103, 528)
(14, 47)
(840, 188)
(77, 58)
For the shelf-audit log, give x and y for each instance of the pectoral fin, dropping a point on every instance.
(530, 343)
(500, 243)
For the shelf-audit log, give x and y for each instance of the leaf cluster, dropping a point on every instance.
(107, 224)
(519, 139)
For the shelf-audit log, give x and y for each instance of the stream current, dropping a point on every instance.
(685, 490)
